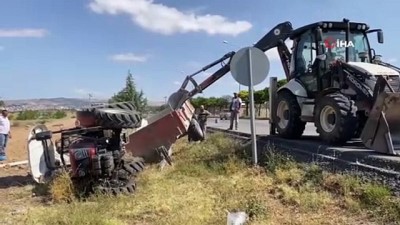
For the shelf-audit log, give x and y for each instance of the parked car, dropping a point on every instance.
(225, 114)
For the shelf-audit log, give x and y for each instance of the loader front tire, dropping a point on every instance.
(287, 116)
(335, 118)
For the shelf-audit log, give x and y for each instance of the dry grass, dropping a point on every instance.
(210, 178)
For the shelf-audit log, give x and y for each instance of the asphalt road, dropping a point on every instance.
(262, 126)
(310, 140)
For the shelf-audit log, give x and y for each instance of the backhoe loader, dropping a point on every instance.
(335, 80)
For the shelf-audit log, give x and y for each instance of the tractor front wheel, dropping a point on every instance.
(335, 118)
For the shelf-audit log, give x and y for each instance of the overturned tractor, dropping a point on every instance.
(92, 152)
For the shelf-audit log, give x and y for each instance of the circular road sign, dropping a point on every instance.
(249, 61)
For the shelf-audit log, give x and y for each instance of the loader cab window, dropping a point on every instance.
(361, 47)
(357, 45)
(304, 62)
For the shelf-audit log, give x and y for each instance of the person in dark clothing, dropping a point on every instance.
(202, 118)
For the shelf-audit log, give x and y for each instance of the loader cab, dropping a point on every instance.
(317, 46)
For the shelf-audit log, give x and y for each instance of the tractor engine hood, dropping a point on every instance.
(374, 69)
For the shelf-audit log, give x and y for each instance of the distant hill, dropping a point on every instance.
(51, 102)
(59, 102)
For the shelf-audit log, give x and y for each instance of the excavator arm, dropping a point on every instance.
(274, 38)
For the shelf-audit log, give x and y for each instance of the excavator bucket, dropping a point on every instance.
(382, 129)
(177, 99)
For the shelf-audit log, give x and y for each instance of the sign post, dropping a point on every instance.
(249, 67)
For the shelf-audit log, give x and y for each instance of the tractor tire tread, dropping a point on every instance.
(118, 105)
(134, 167)
(122, 119)
(128, 189)
(122, 105)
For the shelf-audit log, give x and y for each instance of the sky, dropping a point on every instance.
(70, 48)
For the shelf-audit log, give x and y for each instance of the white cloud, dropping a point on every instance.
(36, 33)
(166, 20)
(177, 83)
(129, 57)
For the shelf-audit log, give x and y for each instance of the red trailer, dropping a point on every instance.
(163, 130)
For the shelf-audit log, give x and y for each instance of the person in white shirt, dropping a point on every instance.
(5, 133)
(236, 104)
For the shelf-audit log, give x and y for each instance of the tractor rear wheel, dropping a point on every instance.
(118, 186)
(287, 116)
(122, 105)
(335, 118)
(109, 117)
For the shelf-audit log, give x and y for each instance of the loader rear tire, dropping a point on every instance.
(335, 118)
(287, 116)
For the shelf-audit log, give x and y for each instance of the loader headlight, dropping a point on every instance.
(330, 25)
(359, 27)
(363, 27)
(324, 25)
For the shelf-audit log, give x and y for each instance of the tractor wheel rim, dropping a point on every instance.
(324, 119)
(282, 107)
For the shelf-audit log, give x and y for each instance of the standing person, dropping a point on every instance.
(4, 132)
(236, 104)
(202, 118)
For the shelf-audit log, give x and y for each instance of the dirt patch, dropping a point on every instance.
(17, 189)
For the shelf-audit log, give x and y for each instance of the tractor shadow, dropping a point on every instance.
(15, 181)
(21, 181)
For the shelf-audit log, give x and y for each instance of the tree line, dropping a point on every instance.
(130, 93)
(38, 114)
(220, 103)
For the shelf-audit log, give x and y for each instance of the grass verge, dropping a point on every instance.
(210, 178)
